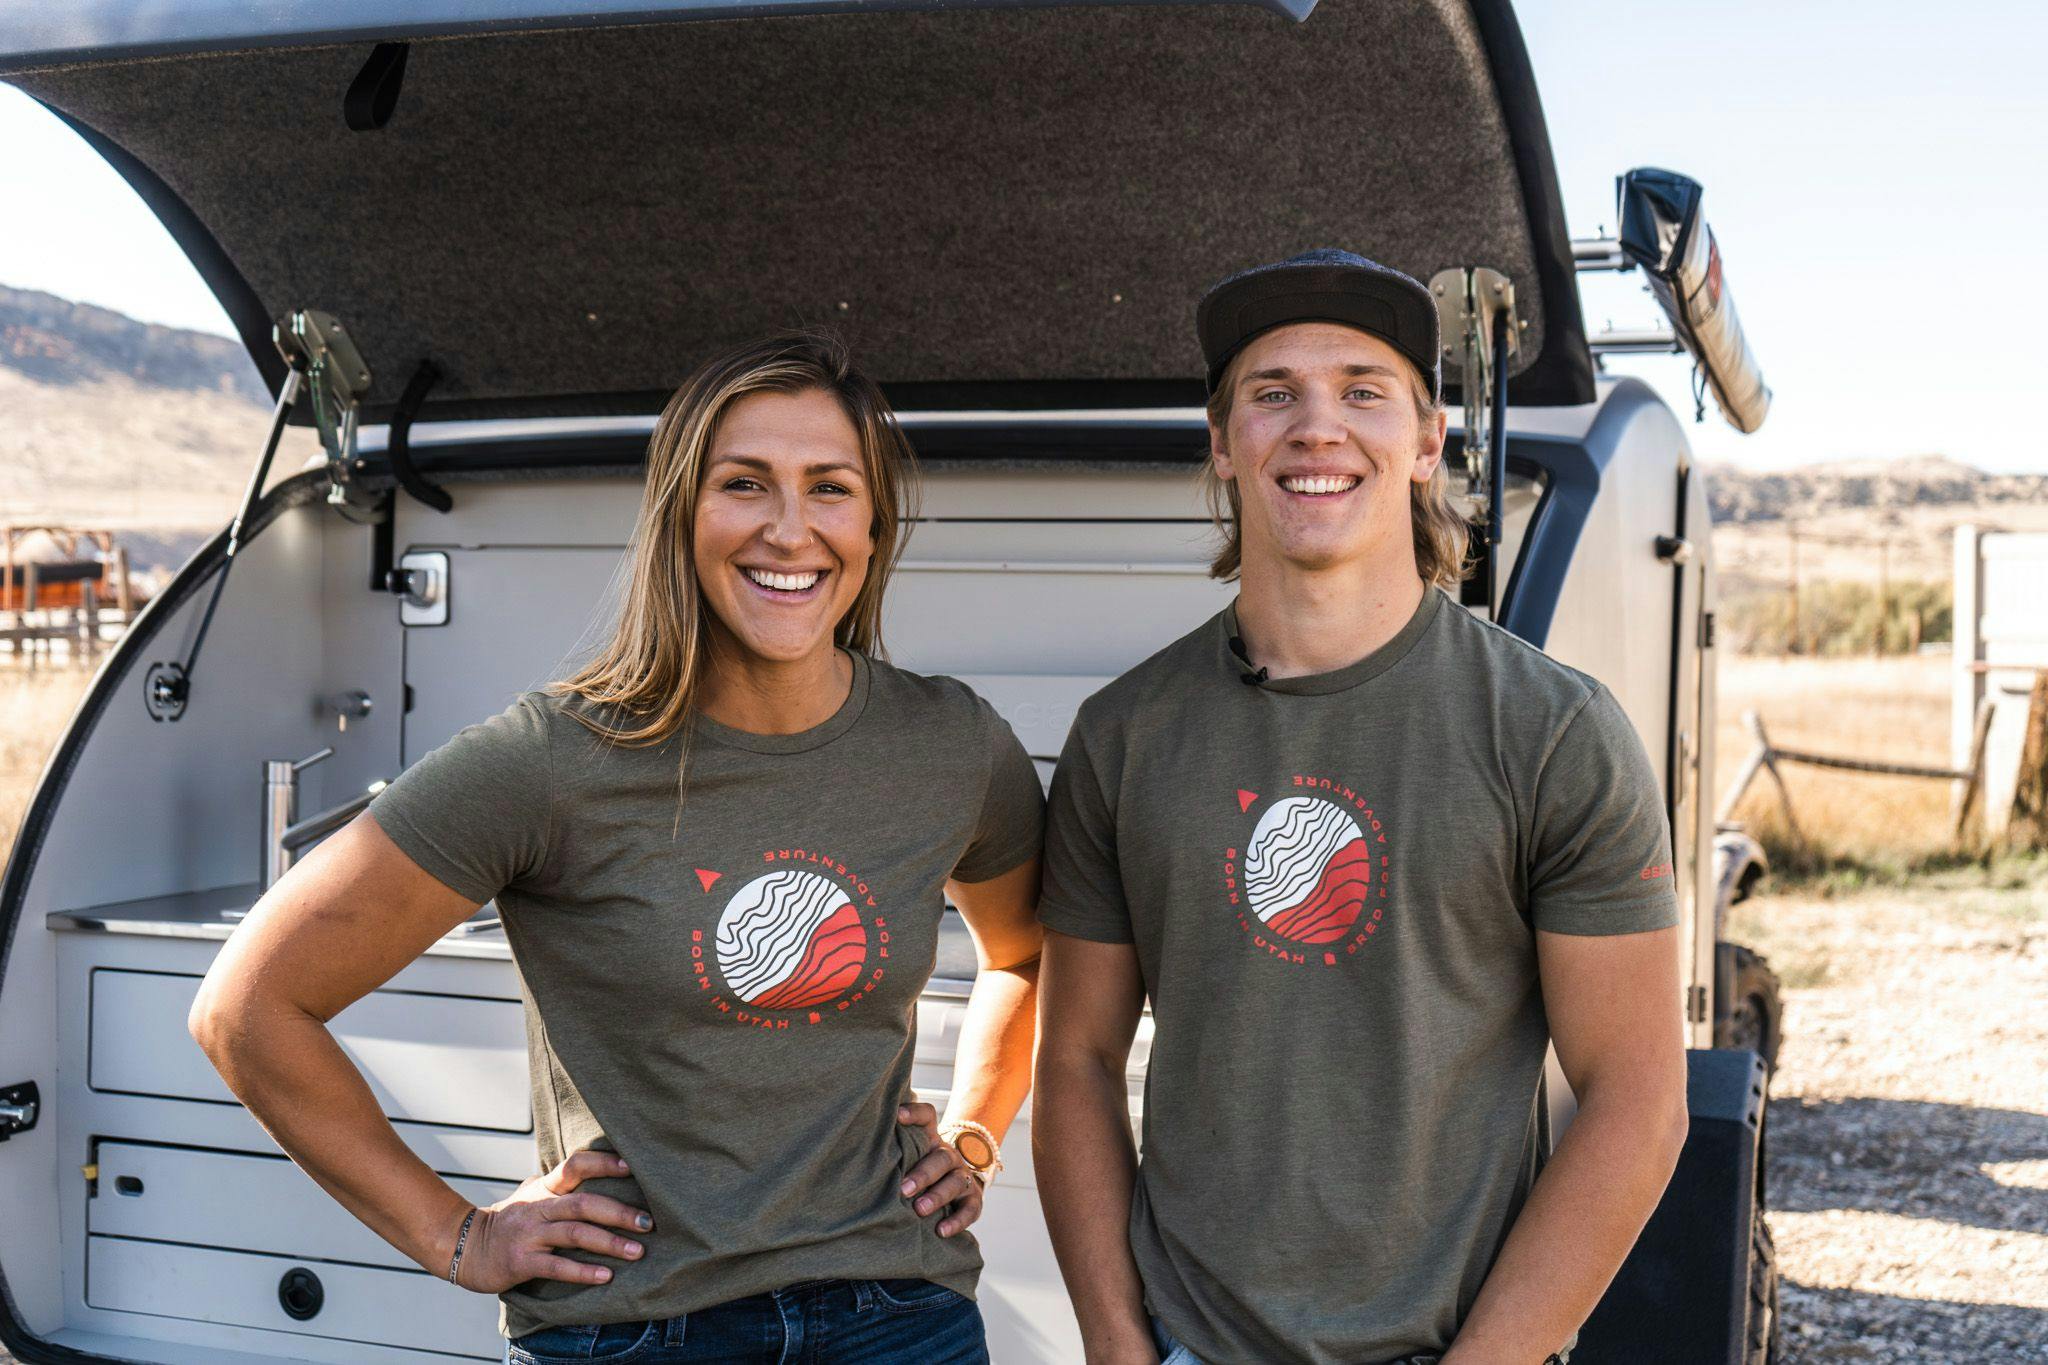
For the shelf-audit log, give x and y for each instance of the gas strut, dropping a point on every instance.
(320, 357)
(1496, 462)
(1481, 331)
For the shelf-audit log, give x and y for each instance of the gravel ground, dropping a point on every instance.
(1907, 1141)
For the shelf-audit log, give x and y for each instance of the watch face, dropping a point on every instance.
(974, 1150)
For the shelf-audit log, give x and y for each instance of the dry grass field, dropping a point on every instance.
(1894, 709)
(34, 707)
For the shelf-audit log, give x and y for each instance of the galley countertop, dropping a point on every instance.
(214, 914)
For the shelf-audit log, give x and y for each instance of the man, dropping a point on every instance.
(1367, 855)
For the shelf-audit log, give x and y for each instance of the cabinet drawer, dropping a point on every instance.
(405, 1308)
(240, 1202)
(442, 1059)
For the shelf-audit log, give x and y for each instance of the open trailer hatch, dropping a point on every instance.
(1000, 207)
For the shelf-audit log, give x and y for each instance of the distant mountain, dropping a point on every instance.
(111, 423)
(1860, 520)
(1889, 488)
(56, 341)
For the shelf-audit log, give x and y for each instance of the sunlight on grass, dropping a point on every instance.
(35, 706)
(1861, 831)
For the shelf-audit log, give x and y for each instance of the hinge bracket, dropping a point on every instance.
(1469, 303)
(337, 378)
(20, 1106)
(1480, 330)
(1696, 1004)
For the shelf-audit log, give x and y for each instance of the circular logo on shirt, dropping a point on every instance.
(790, 940)
(1310, 885)
(1307, 870)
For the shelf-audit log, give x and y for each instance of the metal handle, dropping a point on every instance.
(310, 759)
(1674, 549)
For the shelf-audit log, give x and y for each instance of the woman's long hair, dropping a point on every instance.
(1440, 531)
(642, 684)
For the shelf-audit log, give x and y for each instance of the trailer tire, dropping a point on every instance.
(1756, 1013)
(1765, 1344)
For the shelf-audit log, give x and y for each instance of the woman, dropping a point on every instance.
(719, 851)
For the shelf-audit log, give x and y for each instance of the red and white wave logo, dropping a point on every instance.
(1307, 870)
(1310, 888)
(790, 940)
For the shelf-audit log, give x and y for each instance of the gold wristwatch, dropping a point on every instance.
(977, 1147)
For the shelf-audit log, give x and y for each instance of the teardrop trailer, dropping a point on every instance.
(477, 249)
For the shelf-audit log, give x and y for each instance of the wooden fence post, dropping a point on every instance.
(2028, 827)
(1973, 785)
(1770, 764)
(1747, 775)
(30, 581)
(124, 595)
(88, 621)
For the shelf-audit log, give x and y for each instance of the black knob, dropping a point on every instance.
(299, 1293)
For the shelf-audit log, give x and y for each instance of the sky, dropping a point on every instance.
(1872, 173)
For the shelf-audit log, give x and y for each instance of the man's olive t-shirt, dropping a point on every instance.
(1333, 884)
(726, 995)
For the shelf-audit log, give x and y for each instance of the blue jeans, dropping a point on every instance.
(821, 1322)
(1172, 1352)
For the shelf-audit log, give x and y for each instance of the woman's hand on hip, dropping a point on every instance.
(517, 1238)
(941, 1178)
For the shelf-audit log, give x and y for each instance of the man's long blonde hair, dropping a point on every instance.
(1442, 534)
(643, 683)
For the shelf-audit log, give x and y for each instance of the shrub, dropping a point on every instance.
(1838, 618)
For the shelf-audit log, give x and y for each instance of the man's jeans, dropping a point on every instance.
(1172, 1352)
(854, 1322)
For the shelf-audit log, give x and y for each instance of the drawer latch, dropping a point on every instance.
(20, 1106)
(299, 1293)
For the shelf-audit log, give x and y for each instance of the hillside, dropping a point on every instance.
(106, 421)
(55, 341)
(1892, 489)
(1853, 519)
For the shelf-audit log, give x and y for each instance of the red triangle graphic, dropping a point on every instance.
(1245, 799)
(708, 877)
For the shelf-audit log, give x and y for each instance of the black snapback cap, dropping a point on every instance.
(1325, 285)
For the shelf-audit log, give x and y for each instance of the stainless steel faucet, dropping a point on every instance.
(285, 836)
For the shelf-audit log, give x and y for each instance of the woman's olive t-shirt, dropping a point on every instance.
(726, 995)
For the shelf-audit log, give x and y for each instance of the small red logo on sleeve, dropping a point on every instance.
(1660, 870)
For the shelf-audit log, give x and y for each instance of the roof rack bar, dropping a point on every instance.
(1600, 253)
(1636, 341)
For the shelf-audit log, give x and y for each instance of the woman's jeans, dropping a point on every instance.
(822, 1322)
(1171, 1352)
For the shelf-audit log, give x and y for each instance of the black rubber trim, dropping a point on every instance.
(1562, 372)
(1673, 778)
(1576, 467)
(122, 670)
